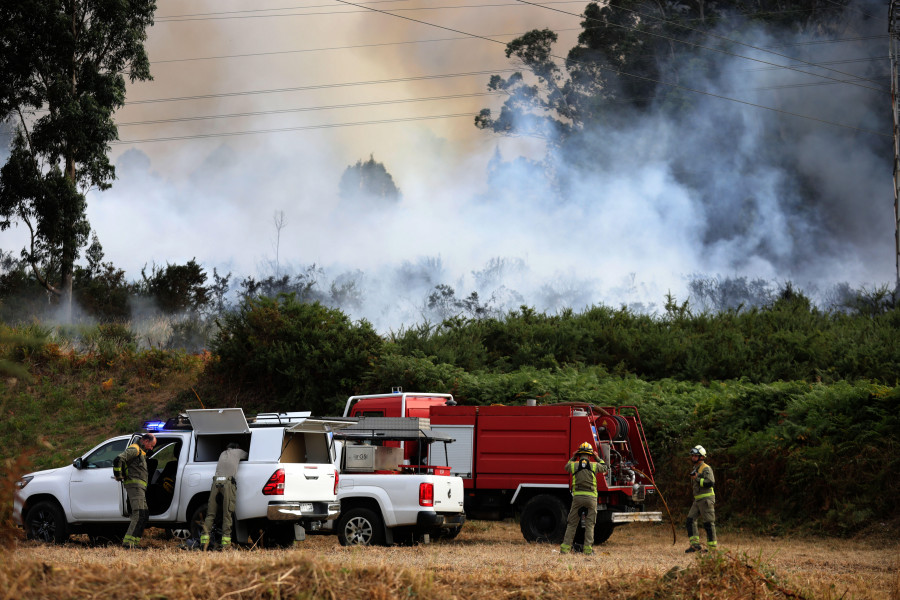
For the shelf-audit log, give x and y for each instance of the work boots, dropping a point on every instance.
(694, 548)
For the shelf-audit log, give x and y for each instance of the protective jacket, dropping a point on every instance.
(131, 466)
(704, 482)
(584, 475)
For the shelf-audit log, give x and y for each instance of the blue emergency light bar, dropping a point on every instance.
(154, 425)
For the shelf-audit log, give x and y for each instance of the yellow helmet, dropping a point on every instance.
(585, 448)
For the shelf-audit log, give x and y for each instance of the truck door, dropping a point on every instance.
(218, 421)
(307, 456)
(93, 492)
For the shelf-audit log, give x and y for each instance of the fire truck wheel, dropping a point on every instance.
(544, 519)
(602, 531)
(360, 527)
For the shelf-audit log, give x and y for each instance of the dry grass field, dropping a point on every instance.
(488, 560)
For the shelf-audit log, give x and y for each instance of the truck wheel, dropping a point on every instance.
(279, 534)
(107, 535)
(544, 519)
(449, 534)
(602, 531)
(360, 527)
(45, 522)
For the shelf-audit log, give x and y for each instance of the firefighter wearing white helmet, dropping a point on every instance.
(584, 495)
(704, 506)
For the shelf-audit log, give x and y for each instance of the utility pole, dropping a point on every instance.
(894, 29)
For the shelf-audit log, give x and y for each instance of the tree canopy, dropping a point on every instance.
(628, 53)
(64, 64)
(368, 180)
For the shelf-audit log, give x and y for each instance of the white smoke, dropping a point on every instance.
(726, 191)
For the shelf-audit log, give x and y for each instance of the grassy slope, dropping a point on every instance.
(73, 402)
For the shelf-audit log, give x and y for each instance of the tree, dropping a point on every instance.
(368, 180)
(100, 289)
(297, 356)
(626, 53)
(177, 288)
(63, 63)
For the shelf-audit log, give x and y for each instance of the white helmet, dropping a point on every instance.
(698, 450)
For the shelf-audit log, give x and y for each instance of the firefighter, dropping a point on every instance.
(222, 493)
(130, 467)
(584, 495)
(704, 506)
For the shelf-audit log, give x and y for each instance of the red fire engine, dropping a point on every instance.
(512, 458)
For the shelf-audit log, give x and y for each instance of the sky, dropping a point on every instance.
(475, 212)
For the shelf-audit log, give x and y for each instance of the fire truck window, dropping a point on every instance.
(372, 413)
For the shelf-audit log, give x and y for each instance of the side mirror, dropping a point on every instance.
(77, 463)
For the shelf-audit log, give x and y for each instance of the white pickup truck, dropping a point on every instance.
(384, 499)
(287, 484)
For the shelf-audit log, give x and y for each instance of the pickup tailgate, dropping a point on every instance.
(309, 482)
(448, 493)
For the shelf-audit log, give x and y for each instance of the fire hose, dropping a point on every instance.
(668, 512)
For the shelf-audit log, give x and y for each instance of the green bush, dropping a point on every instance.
(301, 356)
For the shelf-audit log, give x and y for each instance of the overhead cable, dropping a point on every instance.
(284, 129)
(307, 109)
(317, 87)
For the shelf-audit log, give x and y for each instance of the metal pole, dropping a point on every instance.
(894, 30)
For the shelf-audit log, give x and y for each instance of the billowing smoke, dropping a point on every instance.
(725, 191)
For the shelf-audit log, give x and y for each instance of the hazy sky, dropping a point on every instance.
(628, 233)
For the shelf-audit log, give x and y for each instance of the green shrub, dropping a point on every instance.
(303, 356)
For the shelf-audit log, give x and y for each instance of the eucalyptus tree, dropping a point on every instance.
(64, 64)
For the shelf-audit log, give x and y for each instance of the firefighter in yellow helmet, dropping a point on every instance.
(584, 495)
(704, 506)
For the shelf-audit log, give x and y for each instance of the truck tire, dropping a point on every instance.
(278, 534)
(602, 531)
(360, 527)
(544, 519)
(106, 535)
(449, 534)
(46, 522)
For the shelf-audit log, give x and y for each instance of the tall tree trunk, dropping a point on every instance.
(67, 264)
(69, 246)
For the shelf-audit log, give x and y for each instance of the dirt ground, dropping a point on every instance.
(826, 568)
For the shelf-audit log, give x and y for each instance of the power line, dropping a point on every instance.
(831, 41)
(468, 37)
(830, 62)
(173, 18)
(259, 10)
(618, 72)
(308, 108)
(348, 12)
(350, 47)
(390, 102)
(319, 86)
(284, 129)
(611, 5)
